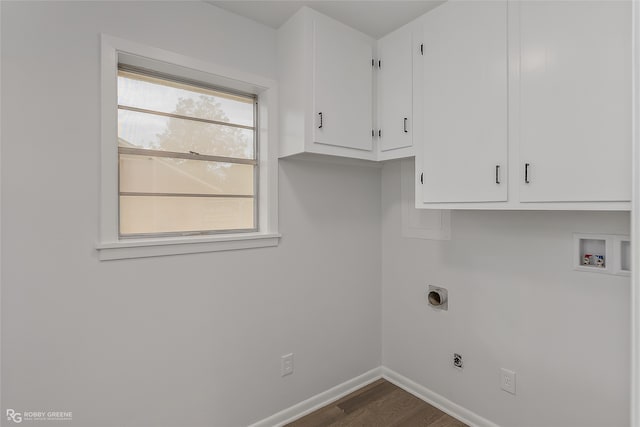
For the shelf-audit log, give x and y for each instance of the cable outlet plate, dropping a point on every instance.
(286, 364)
(508, 381)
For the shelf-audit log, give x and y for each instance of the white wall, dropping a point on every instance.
(191, 340)
(514, 302)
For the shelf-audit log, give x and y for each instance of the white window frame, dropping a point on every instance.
(110, 246)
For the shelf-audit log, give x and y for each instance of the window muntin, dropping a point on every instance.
(143, 130)
(187, 157)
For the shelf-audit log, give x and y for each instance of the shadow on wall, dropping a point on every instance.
(328, 195)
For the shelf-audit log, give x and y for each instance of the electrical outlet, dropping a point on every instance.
(286, 364)
(508, 380)
(457, 361)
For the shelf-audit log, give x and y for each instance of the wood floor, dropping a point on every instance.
(379, 404)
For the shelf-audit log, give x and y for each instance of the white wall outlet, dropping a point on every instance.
(508, 380)
(286, 364)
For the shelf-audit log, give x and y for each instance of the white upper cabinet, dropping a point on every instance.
(464, 97)
(326, 87)
(525, 105)
(575, 97)
(394, 68)
(342, 86)
(505, 104)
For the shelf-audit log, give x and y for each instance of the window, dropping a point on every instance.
(187, 157)
(188, 154)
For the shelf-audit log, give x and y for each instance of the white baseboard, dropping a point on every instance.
(326, 397)
(319, 400)
(466, 416)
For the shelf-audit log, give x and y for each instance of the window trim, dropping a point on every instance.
(110, 245)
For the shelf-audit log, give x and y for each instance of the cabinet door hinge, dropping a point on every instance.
(422, 49)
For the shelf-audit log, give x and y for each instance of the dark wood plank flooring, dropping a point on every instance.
(379, 404)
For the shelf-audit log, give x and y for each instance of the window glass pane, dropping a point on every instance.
(135, 90)
(173, 195)
(148, 174)
(150, 131)
(142, 215)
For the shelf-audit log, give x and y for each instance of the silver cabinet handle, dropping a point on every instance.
(320, 127)
(404, 123)
(497, 174)
(526, 173)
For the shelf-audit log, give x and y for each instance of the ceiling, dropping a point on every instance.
(375, 18)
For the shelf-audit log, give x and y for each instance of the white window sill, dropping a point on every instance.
(143, 248)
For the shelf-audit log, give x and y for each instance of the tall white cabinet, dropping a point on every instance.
(464, 96)
(575, 98)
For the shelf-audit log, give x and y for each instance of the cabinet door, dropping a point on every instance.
(464, 147)
(575, 101)
(342, 86)
(395, 98)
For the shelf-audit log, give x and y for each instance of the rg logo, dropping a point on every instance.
(14, 416)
